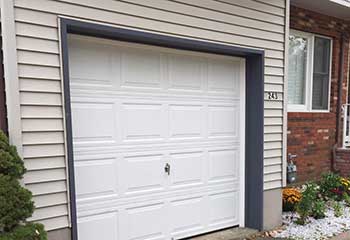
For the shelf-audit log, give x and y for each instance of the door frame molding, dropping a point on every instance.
(254, 102)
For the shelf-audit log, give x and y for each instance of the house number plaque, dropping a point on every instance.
(272, 95)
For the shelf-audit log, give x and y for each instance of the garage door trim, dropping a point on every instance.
(254, 104)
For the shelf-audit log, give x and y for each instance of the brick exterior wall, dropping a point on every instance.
(343, 162)
(312, 136)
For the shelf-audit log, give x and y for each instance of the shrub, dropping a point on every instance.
(26, 232)
(291, 197)
(319, 209)
(330, 185)
(305, 206)
(346, 198)
(10, 163)
(15, 203)
(338, 209)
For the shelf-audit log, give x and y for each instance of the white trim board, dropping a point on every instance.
(11, 74)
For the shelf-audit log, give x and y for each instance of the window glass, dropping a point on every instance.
(320, 86)
(297, 69)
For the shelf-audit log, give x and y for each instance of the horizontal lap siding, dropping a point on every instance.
(248, 23)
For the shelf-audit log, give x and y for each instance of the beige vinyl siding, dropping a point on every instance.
(247, 23)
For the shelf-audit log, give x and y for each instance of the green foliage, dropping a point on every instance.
(329, 184)
(15, 203)
(319, 209)
(346, 198)
(10, 163)
(338, 209)
(306, 204)
(26, 232)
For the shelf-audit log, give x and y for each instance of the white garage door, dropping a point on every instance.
(158, 140)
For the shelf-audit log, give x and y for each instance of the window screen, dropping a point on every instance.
(297, 69)
(320, 86)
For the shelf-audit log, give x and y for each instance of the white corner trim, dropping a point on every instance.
(9, 47)
(285, 96)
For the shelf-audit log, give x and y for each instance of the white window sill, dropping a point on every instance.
(307, 111)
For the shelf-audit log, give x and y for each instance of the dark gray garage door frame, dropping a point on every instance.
(254, 132)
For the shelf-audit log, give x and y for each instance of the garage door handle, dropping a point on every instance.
(167, 168)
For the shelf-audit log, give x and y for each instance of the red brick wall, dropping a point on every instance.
(343, 162)
(312, 135)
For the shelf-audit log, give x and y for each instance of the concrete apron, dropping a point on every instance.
(342, 236)
(228, 234)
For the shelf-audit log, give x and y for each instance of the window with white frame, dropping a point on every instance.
(309, 72)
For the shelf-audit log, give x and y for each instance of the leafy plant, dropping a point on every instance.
(330, 186)
(305, 207)
(338, 209)
(10, 163)
(291, 197)
(31, 231)
(16, 203)
(319, 209)
(346, 198)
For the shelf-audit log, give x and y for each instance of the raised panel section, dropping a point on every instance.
(185, 72)
(223, 121)
(144, 222)
(223, 165)
(223, 209)
(224, 76)
(140, 68)
(95, 178)
(142, 174)
(93, 122)
(187, 169)
(142, 121)
(192, 208)
(186, 121)
(102, 226)
(90, 63)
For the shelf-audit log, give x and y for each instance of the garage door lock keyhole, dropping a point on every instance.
(167, 168)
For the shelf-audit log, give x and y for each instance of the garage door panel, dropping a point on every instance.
(102, 226)
(223, 210)
(186, 72)
(186, 121)
(96, 178)
(142, 174)
(193, 209)
(142, 222)
(142, 121)
(90, 54)
(148, 65)
(223, 121)
(187, 169)
(224, 76)
(223, 165)
(94, 122)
